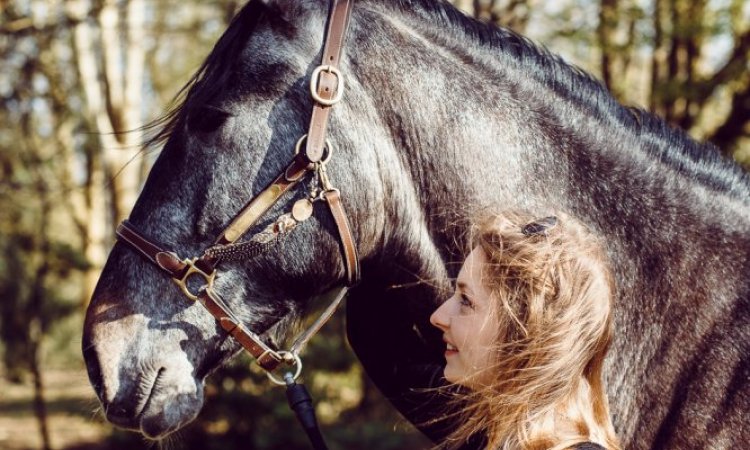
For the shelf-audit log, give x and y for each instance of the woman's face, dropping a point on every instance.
(469, 326)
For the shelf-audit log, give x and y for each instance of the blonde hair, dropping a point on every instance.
(551, 290)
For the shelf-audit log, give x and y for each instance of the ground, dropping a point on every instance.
(74, 417)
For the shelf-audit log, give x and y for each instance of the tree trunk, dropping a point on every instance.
(113, 106)
(727, 135)
(96, 224)
(606, 33)
(36, 306)
(40, 406)
(123, 101)
(656, 104)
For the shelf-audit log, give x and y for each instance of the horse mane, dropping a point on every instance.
(211, 76)
(672, 146)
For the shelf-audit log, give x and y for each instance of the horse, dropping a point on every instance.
(443, 118)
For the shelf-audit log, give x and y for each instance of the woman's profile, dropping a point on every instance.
(526, 333)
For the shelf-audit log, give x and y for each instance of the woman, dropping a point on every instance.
(526, 333)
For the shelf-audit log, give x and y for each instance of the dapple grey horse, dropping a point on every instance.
(443, 117)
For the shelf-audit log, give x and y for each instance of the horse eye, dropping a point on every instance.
(206, 119)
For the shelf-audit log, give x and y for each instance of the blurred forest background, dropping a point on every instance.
(76, 75)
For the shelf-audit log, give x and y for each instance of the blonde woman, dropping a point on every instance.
(526, 333)
(522, 341)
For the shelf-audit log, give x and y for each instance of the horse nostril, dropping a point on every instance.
(121, 417)
(206, 119)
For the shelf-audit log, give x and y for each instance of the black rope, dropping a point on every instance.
(301, 403)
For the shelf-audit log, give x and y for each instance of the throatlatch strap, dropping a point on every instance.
(348, 247)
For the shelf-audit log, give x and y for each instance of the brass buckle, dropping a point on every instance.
(315, 80)
(194, 270)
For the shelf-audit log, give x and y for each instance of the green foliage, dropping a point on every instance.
(32, 299)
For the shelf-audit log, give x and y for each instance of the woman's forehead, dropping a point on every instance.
(471, 273)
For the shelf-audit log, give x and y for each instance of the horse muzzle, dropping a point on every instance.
(154, 393)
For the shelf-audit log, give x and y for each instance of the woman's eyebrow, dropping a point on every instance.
(463, 286)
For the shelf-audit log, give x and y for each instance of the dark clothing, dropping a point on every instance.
(403, 363)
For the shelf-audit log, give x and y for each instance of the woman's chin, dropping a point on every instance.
(452, 374)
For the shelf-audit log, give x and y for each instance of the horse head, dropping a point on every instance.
(147, 347)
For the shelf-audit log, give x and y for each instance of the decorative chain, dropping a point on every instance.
(274, 232)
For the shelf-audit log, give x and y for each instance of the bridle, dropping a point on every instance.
(313, 151)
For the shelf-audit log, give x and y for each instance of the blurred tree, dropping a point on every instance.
(685, 60)
(109, 50)
(513, 14)
(36, 257)
(691, 76)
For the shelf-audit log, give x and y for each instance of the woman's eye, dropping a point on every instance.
(465, 301)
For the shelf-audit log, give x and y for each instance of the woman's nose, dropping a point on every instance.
(439, 317)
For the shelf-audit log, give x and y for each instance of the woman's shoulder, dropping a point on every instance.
(589, 446)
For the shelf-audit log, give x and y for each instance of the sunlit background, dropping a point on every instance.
(76, 74)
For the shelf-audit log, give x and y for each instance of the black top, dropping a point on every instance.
(404, 364)
(589, 446)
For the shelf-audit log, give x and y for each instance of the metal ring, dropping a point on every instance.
(192, 269)
(296, 361)
(315, 80)
(322, 196)
(327, 150)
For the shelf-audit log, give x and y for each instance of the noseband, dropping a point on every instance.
(313, 151)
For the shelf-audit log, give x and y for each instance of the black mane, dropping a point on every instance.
(672, 146)
(212, 75)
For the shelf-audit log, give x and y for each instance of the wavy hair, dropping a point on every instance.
(552, 291)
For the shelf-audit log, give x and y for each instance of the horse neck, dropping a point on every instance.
(452, 102)
(464, 126)
(446, 144)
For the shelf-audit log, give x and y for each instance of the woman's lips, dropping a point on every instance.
(450, 349)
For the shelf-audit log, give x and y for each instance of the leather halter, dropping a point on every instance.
(326, 88)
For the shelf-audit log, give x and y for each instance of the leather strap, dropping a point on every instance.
(249, 215)
(263, 354)
(348, 247)
(167, 261)
(328, 83)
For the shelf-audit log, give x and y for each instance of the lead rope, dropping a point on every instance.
(297, 396)
(301, 403)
